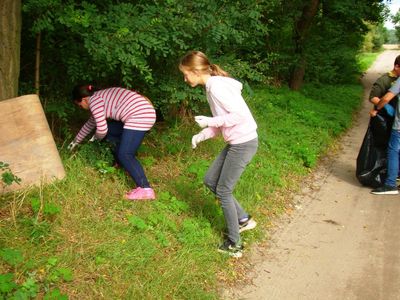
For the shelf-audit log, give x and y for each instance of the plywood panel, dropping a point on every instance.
(26, 142)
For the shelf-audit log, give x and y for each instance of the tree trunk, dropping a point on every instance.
(301, 30)
(297, 75)
(37, 63)
(10, 37)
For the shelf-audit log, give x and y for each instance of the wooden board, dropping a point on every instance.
(27, 144)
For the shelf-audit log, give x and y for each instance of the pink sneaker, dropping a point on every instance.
(141, 194)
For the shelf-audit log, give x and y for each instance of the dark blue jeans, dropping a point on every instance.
(393, 158)
(127, 142)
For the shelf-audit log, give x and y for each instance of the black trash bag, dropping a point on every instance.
(381, 126)
(371, 160)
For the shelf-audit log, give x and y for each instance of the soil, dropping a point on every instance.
(341, 242)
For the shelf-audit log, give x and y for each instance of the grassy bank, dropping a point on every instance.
(79, 239)
(365, 60)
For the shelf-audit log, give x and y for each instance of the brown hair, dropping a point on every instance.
(198, 61)
(81, 91)
(397, 60)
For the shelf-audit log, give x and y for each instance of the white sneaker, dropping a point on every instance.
(247, 224)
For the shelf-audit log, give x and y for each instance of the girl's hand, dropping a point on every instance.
(72, 145)
(202, 121)
(373, 112)
(196, 139)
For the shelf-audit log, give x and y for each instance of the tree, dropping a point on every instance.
(301, 29)
(396, 22)
(10, 37)
(327, 38)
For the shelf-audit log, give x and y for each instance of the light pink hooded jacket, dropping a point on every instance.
(230, 113)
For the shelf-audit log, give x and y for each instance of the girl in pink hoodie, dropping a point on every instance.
(232, 118)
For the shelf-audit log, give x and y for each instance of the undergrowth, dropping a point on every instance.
(79, 239)
(366, 59)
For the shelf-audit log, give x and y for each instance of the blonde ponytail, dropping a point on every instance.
(218, 71)
(198, 61)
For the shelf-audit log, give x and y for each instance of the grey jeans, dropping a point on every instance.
(222, 177)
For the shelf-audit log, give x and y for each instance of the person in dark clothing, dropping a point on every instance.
(382, 85)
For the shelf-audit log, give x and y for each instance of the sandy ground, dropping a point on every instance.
(341, 242)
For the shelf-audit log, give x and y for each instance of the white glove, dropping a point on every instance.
(202, 121)
(196, 139)
(93, 138)
(72, 145)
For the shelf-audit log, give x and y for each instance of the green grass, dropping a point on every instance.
(77, 238)
(366, 59)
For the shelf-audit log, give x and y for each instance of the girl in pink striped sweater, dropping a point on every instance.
(232, 118)
(123, 117)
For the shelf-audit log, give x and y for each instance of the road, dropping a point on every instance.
(341, 242)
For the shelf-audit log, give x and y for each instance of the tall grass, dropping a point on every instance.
(366, 59)
(79, 239)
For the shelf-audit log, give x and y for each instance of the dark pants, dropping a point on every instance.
(127, 142)
(393, 158)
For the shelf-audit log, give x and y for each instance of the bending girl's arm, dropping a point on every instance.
(85, 130)
(98, 113)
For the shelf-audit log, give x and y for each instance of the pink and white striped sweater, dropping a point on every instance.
(129, 107)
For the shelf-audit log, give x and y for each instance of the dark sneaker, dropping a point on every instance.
(232, 249)
(385, 190)
(247, 224)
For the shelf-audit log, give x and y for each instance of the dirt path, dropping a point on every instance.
(341, 242)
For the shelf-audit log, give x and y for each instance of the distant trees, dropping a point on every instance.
(396, 22)
(375, 38)
(392, 38)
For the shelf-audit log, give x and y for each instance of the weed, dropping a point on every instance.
(13, 257)
(49, 209)
(137, 222)
(32, 281)
(7, 176)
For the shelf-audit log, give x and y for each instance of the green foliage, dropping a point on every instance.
(40, 231)
(99, 155)
(194, 232)
(392, 38)
(396, 22)
(198, 170)
(376, 36)
(33, 282)
(7, 176)
(331, 44)
(59, 114)
(365, 60)
(138, 45)
(172, 204)
(7, 283)
(12, 257)
(48, 209)
(137, 222)
(55, 295)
